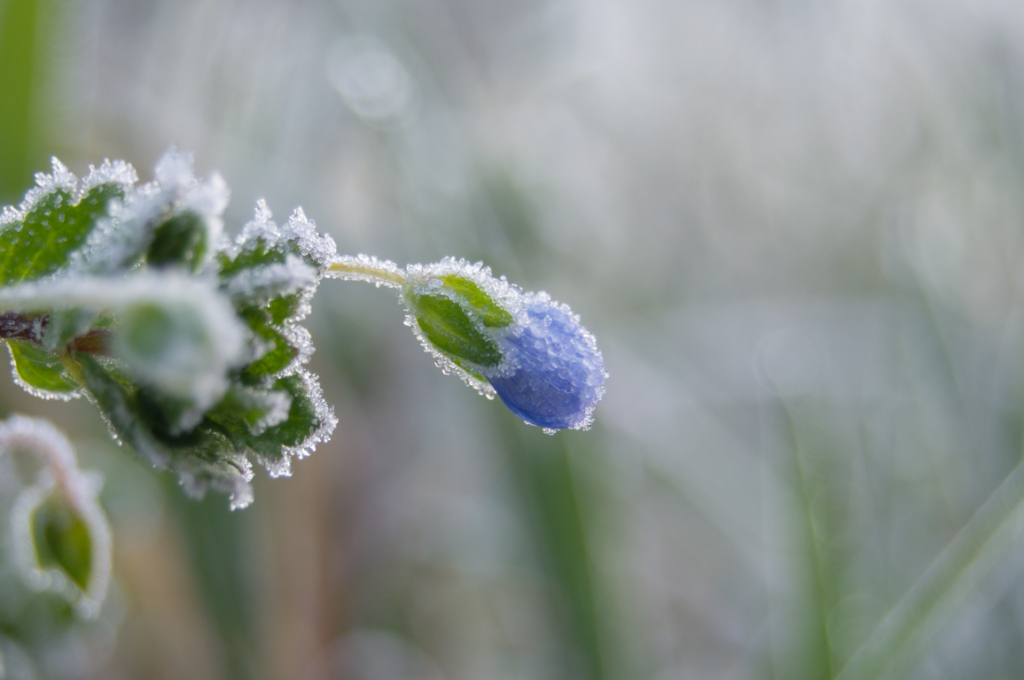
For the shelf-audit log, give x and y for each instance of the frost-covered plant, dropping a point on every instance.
(55, 549)
(191, 344)
(57, 534)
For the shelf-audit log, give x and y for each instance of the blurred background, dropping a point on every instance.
(796, 229)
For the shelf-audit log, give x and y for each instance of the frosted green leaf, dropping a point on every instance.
(309, 422)
(201, 458)
(55, 219)
(449, 329)
(40, 372)
(275, 352)
(179, 240)
(490, 313)
(246, 412)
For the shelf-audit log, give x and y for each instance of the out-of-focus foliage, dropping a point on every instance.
(796, 229)
(26, 29)
(55, 566)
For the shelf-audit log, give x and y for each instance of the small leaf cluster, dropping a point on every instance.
(190, 344)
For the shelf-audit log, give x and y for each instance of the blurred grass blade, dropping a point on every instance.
(559, 515)
(20, 72)
(802, 559)
(963, 567)
(217, 542)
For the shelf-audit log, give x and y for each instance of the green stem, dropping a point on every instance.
(368, 269)
(962, 567)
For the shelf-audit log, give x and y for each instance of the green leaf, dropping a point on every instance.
(302, 422)
(203, 457)
(54, 228)
(40, 369)
(119, 408)
(179, 240)
(491, 313)
(451, 331)
(245, 411)
(284, 308)
(61, 539)
(280, 352)
(257, 254)
(289, 406)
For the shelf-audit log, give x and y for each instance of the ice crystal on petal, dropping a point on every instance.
(553, 374)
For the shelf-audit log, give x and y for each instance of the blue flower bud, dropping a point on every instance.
(554, 373)
(529, 350)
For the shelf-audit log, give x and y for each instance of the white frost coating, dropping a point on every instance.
(196, 478)
(62, 179)
(261, 284)
(282, 467)
(278, 403)
(35, 391)
(110, 172)
(208, 198)
(299, 338)
(80, 490)
(210, 338)
(274, 404)
(367, 268)
(59, 179)
(117, 239)
(295, 274)
(299, 231)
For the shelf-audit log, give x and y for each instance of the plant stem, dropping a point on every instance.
(370, 269)
(965, 563)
